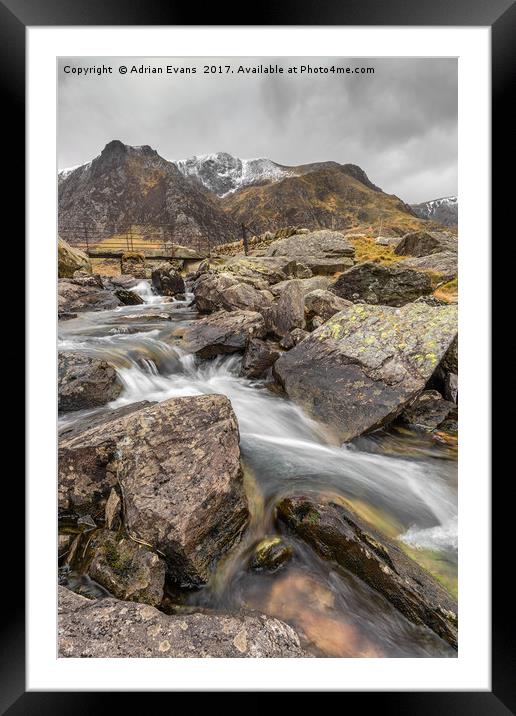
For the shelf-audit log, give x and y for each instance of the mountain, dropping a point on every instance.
(135, 185)
(444, 211)
(203, 201)
(333, 196)
(223, 173)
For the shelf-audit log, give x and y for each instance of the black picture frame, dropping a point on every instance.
(500, 16)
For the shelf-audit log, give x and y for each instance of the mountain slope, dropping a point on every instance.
(134, 185)
(445, 210)
(335, 197)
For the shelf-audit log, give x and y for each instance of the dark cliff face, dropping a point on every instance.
(134, 185)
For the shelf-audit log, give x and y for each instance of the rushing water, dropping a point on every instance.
(405, 483)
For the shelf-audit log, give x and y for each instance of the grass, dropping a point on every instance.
(366, 249)
(448, 291)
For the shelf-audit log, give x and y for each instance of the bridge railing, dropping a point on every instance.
(118, 238)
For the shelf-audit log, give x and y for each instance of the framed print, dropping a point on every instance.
(256, 255)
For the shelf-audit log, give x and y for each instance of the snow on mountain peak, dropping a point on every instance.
(223, 173)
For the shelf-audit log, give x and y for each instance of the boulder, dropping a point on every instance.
(307, 285)
(293, 338)
(127, 569)
(108, 628)
(387, 240)
(378, 284)
(362, 367)
(167, 281)
(259, 356)
(223, 290)
(289, 312)
(223, 332)
(337, 533)
(323, 244)
(133, 264)
(321, 266)
(71, 259)
(422, 243)
(270, 554)
(128, 298)
(427, 411)
(324, 304)
(85, 382)
(74, 297)
(271, 269)
(443, 265)
(178, 467)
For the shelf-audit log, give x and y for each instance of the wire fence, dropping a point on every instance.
(116, 238)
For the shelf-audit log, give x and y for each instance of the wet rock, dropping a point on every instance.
(72, 297)
(337, 533)
(362, 367)
(379, 284)
(147, 317)
(70, 259)
(178, 467)
(63, 544)
(133, 264)
(223, 290)
(270, 554)
(324, 304)
(79, 425)
(124, 281)
(293, 338)
(427, 411)
(128, 298)
(422, 243)
(323, 244)
(85, 382)
(223, 332)
(259, 356)
(139, 630)
(127, 569)
(167, 281)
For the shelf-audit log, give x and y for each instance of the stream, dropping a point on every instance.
(405, 483)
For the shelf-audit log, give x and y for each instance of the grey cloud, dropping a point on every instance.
(399, 125)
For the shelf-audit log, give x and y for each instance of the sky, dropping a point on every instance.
(399, 124)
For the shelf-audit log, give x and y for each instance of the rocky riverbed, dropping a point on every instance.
(258, 459)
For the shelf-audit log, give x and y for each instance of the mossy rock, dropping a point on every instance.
(270, 554)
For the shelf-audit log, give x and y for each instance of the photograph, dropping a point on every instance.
(257, 357)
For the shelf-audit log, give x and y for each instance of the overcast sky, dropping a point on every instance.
(399, 124)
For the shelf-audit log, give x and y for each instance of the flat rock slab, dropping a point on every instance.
(74, 296)
(177, 464)
(338, 534)
(324, 243)
(362, 367)
(377, 284)
(223, 332)
(109, 628)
